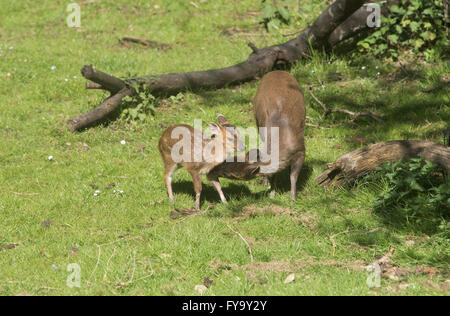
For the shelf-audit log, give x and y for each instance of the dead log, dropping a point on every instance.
(360, 162)
(260, 61)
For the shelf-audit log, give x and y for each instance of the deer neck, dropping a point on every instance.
(215, 151)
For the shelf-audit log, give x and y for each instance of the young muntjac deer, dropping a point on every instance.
(279, 104)
(183, 146)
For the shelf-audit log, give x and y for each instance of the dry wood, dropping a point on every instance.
(245, 242)
(358, 163)
(260, 61)
(103, 110)
(356, 23)
(145, 42)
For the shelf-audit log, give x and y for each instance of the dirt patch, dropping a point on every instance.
(438, 286)
(285, 266)
(253, 211)
(390, 271)
(307, 219)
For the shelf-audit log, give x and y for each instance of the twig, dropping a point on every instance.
(313, 125)
(132, 273)
(333, 243)
(146, 277)
(243, 239)
(105, 278)
(357, 114)
(294, 33)
(27, 194)
(145, 42)
(98, 261)
(354, 115)
(324, 107)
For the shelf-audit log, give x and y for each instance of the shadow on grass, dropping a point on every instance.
(239, 191)
(283, 182)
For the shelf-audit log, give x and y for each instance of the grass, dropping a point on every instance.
(126, 244)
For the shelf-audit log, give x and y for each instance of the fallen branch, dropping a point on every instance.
(145, 42)
(259, 62)
(360, 162)
(103, 110)
(354, 115)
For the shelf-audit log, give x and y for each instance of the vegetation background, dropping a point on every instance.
(91, 199)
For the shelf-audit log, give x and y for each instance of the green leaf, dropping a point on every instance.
(393, 38)
(284, 12)
(414, 26)
(397, 9)
(418, 43)
(425, 35)
(416, 186)
(427, 11)
(406, 22)
(269, 11)
(274, 25)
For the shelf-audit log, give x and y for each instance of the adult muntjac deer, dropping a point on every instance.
(183, 146)
(279, 104)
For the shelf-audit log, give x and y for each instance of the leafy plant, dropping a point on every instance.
(177, 99)
(417, 193)
(414, 25)
(275, 14)
(137, 108)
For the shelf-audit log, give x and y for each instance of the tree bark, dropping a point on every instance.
(260, 61)
(358, 163)
(356, 23)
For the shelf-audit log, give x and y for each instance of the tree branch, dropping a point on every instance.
(260, 61)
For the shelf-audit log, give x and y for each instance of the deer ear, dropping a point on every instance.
(223, 120)
(215, 129)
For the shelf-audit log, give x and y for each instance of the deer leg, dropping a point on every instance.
(197, 179)
(272, 181)
(264, 181)
(215, 182)
(168, 172)
(296, 167)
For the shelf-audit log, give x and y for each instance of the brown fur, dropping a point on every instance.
(279, 102)
(196, 169)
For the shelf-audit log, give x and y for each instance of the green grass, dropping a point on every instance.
(127, 244)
